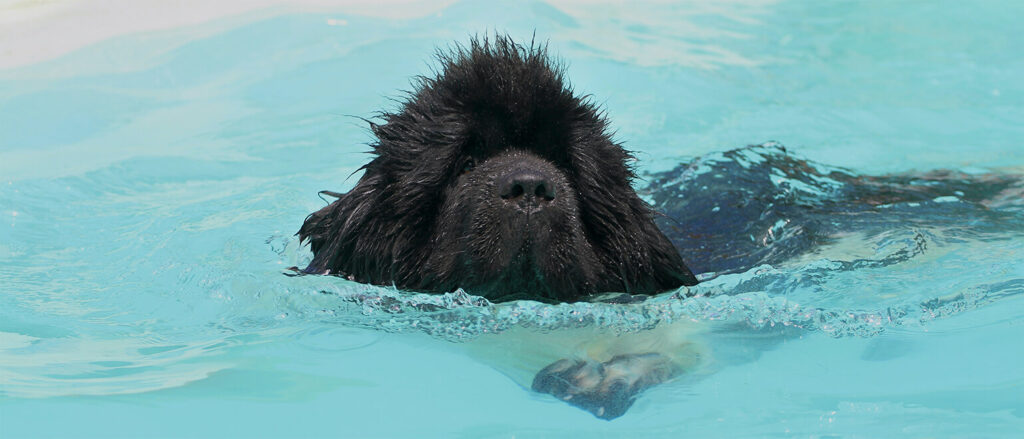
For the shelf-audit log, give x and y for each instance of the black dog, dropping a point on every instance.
(496, 178)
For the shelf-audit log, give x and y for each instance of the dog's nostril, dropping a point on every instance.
(545, 191)
(520, 183)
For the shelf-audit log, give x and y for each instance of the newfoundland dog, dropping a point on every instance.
(496, 178)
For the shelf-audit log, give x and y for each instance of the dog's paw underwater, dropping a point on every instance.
(495, 179)
(605, 389)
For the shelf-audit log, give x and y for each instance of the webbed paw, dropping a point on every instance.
(605, 389)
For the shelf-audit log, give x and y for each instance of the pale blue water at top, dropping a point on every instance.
(150, 187)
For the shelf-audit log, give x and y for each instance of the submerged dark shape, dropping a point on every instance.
(605, 389)
(761, 204)
(495, 177)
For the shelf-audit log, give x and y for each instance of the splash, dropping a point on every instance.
(781, 241)
(459, 316)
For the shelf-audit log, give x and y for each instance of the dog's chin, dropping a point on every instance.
(524, 277)
(540, 259)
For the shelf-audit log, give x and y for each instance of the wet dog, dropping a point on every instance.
(496, 178)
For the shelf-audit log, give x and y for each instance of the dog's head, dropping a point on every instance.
(496, 178)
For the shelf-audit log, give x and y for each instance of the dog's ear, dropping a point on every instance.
(644, 259)
(638, 258)
(667, 266)
(636, 255)
(375, 233)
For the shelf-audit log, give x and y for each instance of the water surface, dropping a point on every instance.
(151, 184)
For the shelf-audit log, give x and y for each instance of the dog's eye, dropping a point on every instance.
(468, 166)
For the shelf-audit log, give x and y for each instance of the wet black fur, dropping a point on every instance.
(424, 218)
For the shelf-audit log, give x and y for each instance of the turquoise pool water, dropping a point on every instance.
(151, 184)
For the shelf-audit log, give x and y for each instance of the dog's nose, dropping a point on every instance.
(527, 184)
